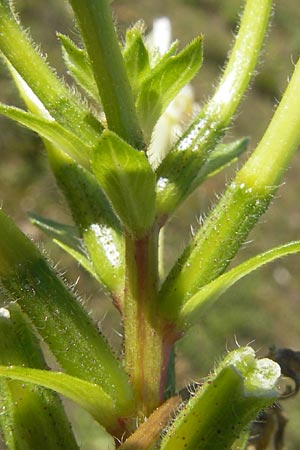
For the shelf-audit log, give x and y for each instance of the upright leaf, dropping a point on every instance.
(79, 66)
(128, 181)
(164, 82)
(136, 57)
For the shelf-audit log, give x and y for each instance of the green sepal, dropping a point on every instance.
(194, 307)
(98, 225)
(136, 57)
(79, 66)
(89, 396)
(52, 131)
(128, 180)
(58, 315)
(164, 82)
(31, 417)
(67, 237)
(220, 410)
(57, 98)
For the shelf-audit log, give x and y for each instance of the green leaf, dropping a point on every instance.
(58, 315)
(177, 176)
(97, 223)
(52, 131)
(101, 42)
(67, 237)
(56, 97)
(128, 181)
(220, 410)
(193, 308)
(79, 66)
(32, 417)
(222, 156)
(136, 57)
(89, 396)
(164, 82)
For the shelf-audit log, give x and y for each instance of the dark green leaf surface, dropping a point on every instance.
(58, 316)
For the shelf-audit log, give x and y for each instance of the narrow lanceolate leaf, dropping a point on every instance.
(164, 82)
(128, 181)
(67, 237)
(220, 410)
(52, 131)
(222, 156)
(58, 100)
(79, 66)
(100, 39)
(98, 225)
(89, 396)
(136, 57)
(31, 417)
(58, 316)
(244, 201)
(178, 173)
(197, 304)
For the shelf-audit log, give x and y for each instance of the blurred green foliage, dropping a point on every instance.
(263, 308)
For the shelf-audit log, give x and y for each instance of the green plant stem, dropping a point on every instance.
(245, 200)
(145, 359)
(179, 174)
(97, 28)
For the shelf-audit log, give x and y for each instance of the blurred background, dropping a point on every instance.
(264, 308)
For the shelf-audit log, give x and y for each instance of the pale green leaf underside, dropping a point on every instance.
(89, 396)
(78, 64)
(52, 131)
(67, 237)
(194, 307)
(128, 181)
(167, 78)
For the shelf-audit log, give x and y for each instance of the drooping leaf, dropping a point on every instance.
(66, 108)
(52, 131)
(128, 181)
(79, 66)
(208, 294)
(32, 417)
(67, 237)
(97, 223)
(89, 396)
(220, 410)
(164, 82)
(58, 315)
(136, 57)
